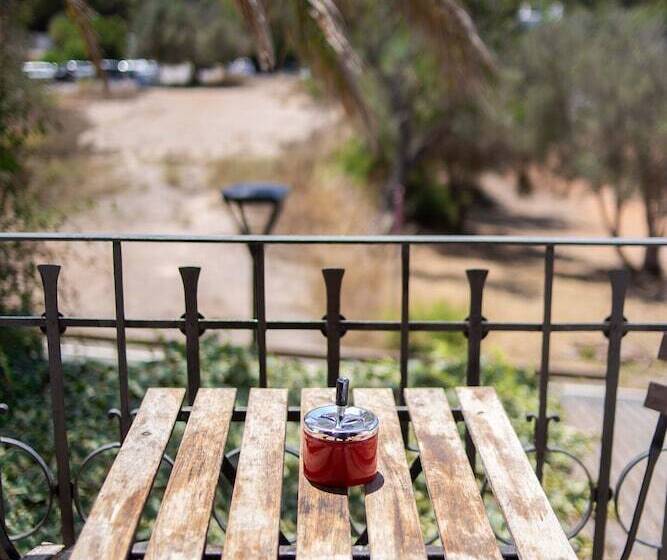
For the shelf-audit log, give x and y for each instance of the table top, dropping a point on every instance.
(323, 523)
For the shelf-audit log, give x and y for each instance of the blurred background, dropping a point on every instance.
(430, 116)
(487, 117)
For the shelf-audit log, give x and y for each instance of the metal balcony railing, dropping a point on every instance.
(333, 326)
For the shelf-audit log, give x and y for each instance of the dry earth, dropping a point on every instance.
(161, 143)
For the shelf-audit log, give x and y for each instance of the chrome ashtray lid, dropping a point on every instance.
(340, 422)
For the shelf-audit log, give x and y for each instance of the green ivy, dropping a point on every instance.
(91, 388)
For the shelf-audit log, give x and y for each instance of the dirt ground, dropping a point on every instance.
(162, 144)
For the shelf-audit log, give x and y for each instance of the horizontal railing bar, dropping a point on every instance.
(294, 413)
(19, 321)
(249, 324)
(289, 552)
(339, 240)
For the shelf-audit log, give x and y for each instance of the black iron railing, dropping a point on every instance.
(333, 326)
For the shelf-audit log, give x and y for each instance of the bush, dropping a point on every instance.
(204, 32)
(68, 43)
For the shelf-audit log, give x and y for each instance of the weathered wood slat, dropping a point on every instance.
(323, 519)
(254, 516)
(464, 528)
(108, 533)
(182, 523)
(45, 551)
(531, 521)
(391, 510)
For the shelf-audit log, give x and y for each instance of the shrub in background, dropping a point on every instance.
(68, 43)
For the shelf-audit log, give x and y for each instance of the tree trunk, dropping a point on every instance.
(651, 264)
(651, 193)
(460, 187)
(524, 183)
(652, 261)
(81, 15)
(395, 187)
(614, 225)
(394, 195)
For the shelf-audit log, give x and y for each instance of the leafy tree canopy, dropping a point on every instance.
(590, 101)
(111, 32)
(200, 31)
(37, 14)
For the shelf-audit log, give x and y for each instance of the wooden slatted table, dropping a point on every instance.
(323, 522)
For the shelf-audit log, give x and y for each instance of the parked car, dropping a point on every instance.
(176, 74)
(40, 70)
(145, 72)
(111, 68)
(80, 69)
(213, 76)
(242, 66)
(62, 73)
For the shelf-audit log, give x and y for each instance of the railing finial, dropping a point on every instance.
(190, 277)
(333, 280)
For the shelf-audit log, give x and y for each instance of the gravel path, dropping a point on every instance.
(141, 135)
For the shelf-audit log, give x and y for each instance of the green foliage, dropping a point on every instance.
(68, 43)
(356, 160)
(92, 388)
(591, 103)
(23, 117)
(203, 32)
(435, 126)
(37, 14)
(423, 342)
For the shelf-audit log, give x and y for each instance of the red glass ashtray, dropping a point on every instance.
(340, 443)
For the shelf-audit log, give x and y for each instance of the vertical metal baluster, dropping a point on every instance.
(475, 333)
(49, 274)
(7, 549)
(619, 283)
(259, 294)
(3, 410)
(2, 501)
(333, 279)
(252, 248)
(405, 313)
(653, 456)
(662, 553)
(405, 328)
(190, 277)
(121, 344)
(542, 422)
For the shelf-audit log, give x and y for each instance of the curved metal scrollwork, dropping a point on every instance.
(230, 456)
(84, 464)
(6, 546)
(87, 462)
(35, 457)
(415, 470)
(8, 443)
(585, 515)
(617, 492)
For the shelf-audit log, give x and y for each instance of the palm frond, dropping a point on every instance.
(323, 42)
(453, 33)
(330, 22)
(255, 16)
(81, 15)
